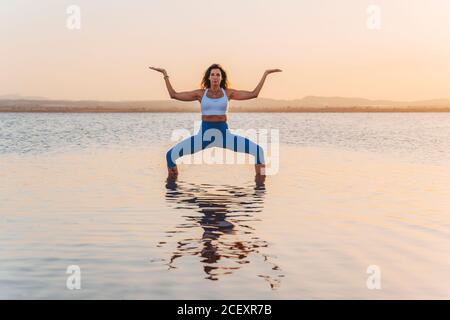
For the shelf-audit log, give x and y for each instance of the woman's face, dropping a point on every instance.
(215, 77)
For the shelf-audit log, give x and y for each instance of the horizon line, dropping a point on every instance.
(31, 98)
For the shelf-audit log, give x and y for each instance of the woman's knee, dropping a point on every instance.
(256, 150)
(170, 159)
(169, 154)
(259, 155)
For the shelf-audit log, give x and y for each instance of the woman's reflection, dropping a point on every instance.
(226, 216)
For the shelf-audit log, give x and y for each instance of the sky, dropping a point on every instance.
(324, 47)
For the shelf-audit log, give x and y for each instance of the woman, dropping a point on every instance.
(213, 97)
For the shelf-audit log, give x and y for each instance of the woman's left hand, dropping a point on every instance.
(272, 71)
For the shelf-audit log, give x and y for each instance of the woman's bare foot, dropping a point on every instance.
(172, 174)
(260, 176)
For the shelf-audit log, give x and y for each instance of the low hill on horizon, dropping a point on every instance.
(306, 104)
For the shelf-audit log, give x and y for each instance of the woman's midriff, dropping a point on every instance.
(214, 118)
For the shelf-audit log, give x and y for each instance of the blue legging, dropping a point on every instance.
(220, 137)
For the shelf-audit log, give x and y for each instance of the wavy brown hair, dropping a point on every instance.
(205, 81)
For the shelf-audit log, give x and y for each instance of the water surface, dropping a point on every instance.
(353, 190)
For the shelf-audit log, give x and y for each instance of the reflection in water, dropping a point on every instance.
(226, 216)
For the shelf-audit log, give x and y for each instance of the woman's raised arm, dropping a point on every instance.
(182, 96)
(245, 95)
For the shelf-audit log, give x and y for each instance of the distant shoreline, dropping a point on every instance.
(260, 105)
(293, 110)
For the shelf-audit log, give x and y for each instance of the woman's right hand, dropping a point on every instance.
(163, 71)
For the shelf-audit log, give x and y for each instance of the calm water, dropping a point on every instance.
(352, 191)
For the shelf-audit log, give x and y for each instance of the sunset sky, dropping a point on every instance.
(323, 46)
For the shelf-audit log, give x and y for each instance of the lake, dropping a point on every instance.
(353, 193)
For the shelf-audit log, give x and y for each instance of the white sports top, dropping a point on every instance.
(214, 106)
